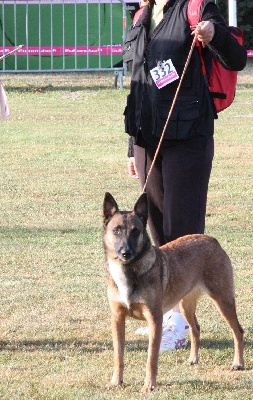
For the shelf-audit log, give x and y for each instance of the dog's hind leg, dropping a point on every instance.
(188, 308)
(227, 308)
(219, 282)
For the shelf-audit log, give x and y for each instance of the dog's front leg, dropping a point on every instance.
(118, 336)
(155, 328)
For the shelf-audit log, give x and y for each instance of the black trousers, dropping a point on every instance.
(177, 187)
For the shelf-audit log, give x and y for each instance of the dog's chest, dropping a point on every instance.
(124, 284)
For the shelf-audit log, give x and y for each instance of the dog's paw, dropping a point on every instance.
(114, 385)
(192, 361)
(147, 389)
(237, 367)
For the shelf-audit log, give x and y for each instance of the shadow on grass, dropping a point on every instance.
(47, 345)
(5, 230)
(32, 233)
(95, 346)
(245, 86)
(41, 89)
(97, 85)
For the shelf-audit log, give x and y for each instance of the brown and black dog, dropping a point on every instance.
(145, 282)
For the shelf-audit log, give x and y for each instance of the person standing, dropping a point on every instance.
(178, 184)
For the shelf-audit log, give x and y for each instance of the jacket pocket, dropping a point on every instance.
(182, 122)
(129, 46)
(127, 117)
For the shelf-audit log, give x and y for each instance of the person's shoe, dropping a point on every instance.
(176, 321)
(171, 319)
(172, 340)
(143, 331)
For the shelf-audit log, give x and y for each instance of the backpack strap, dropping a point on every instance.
(195, 9)
(138, 14)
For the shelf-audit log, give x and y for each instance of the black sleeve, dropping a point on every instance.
(224, 46)
(130, 152)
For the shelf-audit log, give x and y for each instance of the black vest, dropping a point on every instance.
(147, 106)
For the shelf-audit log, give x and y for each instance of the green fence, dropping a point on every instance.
(60, 35)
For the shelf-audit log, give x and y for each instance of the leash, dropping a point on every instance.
(171, 108)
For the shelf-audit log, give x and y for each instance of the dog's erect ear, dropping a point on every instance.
(141, 208)
(110, 207)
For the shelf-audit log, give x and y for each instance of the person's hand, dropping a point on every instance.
(132, 168)
(205, 31)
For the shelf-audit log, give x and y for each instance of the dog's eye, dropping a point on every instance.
(117, 230)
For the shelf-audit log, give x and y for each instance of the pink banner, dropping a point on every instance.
(71, 50)
(67, 50)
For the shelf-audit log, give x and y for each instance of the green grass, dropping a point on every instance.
(61, 148)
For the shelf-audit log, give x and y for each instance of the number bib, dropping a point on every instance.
(164, 73)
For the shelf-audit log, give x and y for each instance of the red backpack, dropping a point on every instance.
(221, 82)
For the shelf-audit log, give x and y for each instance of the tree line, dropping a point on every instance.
(244, 18)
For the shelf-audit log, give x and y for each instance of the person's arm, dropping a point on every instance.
(221, 43)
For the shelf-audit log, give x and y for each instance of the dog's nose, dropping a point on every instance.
(126, 255)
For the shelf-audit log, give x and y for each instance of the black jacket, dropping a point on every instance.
(147, 106)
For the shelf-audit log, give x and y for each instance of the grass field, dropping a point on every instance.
(61, 148)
